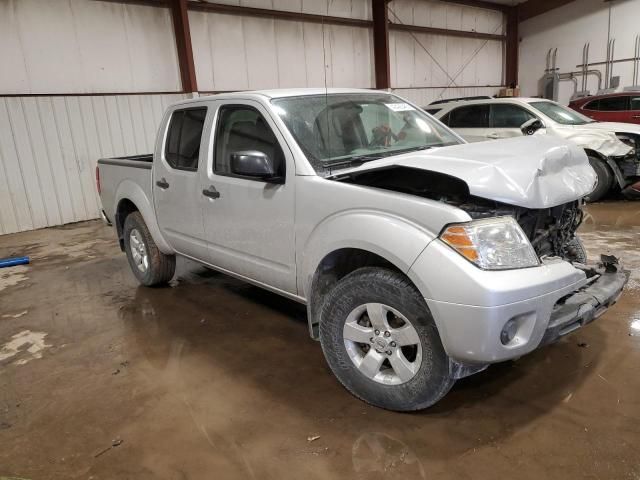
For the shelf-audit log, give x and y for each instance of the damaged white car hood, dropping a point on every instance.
(597, 136)
(531, 172)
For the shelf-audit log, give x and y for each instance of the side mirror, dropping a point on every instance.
(253, 163)
(531, 126)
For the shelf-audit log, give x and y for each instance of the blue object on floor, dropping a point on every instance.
(10, 262)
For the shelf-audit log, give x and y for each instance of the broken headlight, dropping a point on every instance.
(493, 243)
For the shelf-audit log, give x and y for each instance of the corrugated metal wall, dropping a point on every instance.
(49, 147)
(239, 53)
(235, 53)
(81, 46)
(49, 144)
(420, 60)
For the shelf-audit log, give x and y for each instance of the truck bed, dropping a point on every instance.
(134, 169)
(135, 161)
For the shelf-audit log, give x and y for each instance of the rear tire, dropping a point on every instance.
(149, 265)
(604, 182)
(405, 370)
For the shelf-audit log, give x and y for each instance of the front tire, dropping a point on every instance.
(575, 250)
(381, 341)
(604, 182)
(149, 265)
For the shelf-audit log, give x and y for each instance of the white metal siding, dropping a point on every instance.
(49, 147)
(80, 46)
(420, 60)
(568, 28)
(232, 52)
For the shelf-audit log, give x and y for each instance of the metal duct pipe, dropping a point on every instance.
(596, 73)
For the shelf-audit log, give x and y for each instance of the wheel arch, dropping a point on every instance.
(611, 164)
(330, 270)
(352, 239)
(130, 197)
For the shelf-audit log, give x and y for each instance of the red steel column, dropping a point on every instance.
(381, 43)
(183, 44)
(512, 41)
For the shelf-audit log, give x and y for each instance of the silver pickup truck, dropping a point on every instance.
(421, 259)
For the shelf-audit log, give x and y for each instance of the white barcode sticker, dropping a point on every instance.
(399, 107)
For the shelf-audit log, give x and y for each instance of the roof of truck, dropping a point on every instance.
(280, 93)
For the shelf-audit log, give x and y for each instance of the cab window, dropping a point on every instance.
(243, 128)
(182, 148)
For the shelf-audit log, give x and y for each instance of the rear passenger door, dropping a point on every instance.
(506, 120)
(250, 223)
(176, 182)
(469, 121)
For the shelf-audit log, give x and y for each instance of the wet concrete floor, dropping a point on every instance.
(213, 378)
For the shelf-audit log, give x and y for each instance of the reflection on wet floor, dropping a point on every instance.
(214, 377)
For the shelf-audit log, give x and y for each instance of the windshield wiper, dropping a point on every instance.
(413, 149)
(354, 161)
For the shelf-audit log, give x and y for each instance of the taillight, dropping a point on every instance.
(98, 180)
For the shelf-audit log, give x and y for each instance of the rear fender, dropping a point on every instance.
(129, 190)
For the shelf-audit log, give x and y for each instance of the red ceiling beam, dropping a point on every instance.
(279, 14)
(446, 31)
(380, 14)
(533, 8)
(480, 4)
(183, 44)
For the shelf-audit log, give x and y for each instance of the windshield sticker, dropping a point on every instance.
(399, 107)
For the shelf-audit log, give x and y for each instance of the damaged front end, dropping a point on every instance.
(564, 294)
(551, 231)
(602, 289)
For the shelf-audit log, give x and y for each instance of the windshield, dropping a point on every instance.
(339, 130)
(561, 114)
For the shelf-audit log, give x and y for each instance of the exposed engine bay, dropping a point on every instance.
(550, 230)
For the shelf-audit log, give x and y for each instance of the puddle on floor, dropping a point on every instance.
(27, 345)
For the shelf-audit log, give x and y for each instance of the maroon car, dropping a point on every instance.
(612, 107)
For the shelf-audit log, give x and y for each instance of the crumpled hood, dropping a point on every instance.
(597, 136)
(532, 172)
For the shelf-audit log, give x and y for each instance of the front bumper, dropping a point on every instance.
(585, 305)
(546, 302)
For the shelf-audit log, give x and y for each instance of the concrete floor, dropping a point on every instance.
(212, 378)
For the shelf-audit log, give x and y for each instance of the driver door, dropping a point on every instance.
(249, 222)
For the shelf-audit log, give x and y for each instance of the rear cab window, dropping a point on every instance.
(182, 147)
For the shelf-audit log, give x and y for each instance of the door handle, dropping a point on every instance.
(493, 135)
(211, 192)
(636, 116)
(162, 183)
